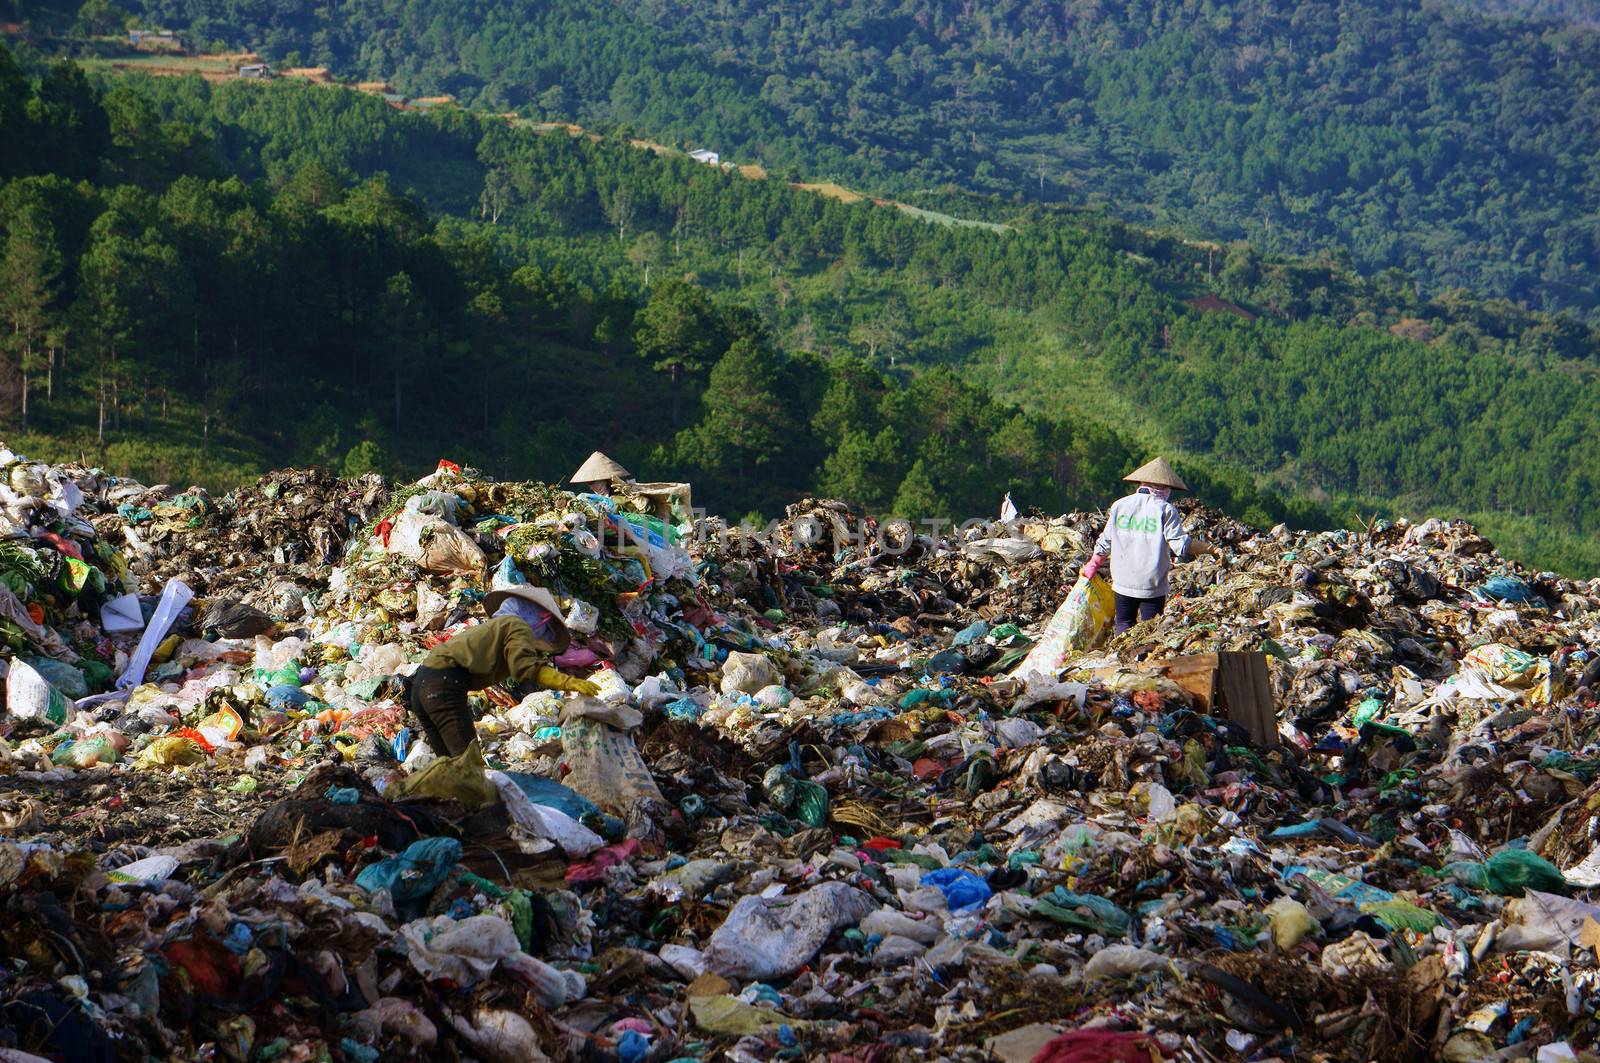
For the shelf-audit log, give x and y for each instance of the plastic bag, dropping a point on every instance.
(1077, 625)
(223, 725)
(605, 766)
(171, 751)
(435, 544)
(728, 1016)
(544, 821)
(383, 660)
(507, 574)
(391, 1015)
(553, 987)
(459, 778)
(235, 620)
(85, 752)
(414, 874)
(30, 697)
(746, 673)
(961, 888)
(1402, 915)
(1123, 961)
(582, 618)
(1291, 922)
(1008, 551)
(1501, 663)
(67, 679)
(500, 1036)
(1509, 872)
(1105, 918)
(147, 872)
(772, 937)
(464, 951)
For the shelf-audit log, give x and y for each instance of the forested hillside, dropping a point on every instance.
(168, 317)
(1452, 143)
(1571, 12)
(236, 267)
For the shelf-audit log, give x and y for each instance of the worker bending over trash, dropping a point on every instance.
(525, 630)
(1144, 534)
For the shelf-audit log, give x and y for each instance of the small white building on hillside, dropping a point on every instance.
(710, 158)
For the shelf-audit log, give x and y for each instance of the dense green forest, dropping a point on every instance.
(1572, 12)
(1454, 144)
(181, 321)
(299, 273)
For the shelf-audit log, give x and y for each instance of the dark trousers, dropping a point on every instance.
(1140, 609)
(439, 702)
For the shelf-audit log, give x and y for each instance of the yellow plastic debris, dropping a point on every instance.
(1291, 922)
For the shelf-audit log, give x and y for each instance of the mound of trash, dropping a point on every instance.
(845, 792)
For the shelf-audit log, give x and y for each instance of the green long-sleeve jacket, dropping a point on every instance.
(494, 651)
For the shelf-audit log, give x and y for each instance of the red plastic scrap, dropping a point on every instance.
(211, 967)
(1101, 1046)
(65, 546)
(594, 868)
(197, 738)
(445, 465)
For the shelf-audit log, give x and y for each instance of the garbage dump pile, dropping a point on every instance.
(844, 793)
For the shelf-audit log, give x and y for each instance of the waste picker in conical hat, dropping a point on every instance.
(524, 630)
(598, 473)
(1144, 535)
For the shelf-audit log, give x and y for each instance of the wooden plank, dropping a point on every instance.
(1247, 695)
(1197, 674)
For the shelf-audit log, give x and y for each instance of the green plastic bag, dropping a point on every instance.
(1105, 918)
(1402, 915)
(1509, 872)
(811, 803)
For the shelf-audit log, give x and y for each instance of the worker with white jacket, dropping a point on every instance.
(1144, 535)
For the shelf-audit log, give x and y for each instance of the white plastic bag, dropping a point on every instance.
(30, 697)
(772, 937)
(434, 544)
(151, 871)
(463, 951)
(542, 821)
(582, 618)
(746, 673)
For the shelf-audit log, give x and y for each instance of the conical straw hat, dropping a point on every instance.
(1159, 473)
(599, 467)
(538, 596)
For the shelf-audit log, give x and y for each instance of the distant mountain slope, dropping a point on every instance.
(541, 309)
(1419, 135)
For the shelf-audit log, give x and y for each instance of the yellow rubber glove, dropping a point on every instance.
(551, 679)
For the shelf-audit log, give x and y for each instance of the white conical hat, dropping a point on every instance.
(599, 467)
(1157, 472)
(538, 596)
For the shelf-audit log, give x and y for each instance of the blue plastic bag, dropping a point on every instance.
(414, 874)
(551, 794)
(963, 890)
(507, 574)
(1506, 589)
(685, 709)
(971, 633)
(286, 698)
